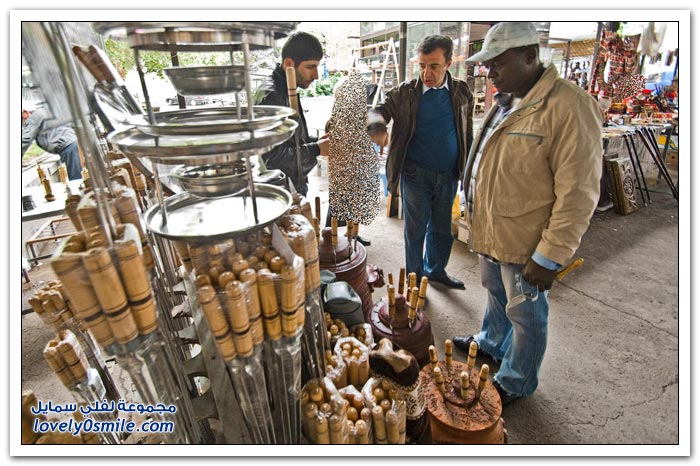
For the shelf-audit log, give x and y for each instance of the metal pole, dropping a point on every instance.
(142, 78)
(634, 167)
(591, 74)
(403, 52)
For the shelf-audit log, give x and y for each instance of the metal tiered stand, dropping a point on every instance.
(220, 200)
(254, 376)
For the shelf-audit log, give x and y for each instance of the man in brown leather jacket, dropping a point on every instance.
(430, 139)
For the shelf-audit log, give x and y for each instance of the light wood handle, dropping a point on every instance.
(566, 270)
(433, 355)
(464, 378)
(422, 292)
(402, 280)
(483, 376)
(292, 88)
(448, 352)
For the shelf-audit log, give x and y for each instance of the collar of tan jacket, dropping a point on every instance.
(534, 99)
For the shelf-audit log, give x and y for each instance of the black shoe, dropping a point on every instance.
(506, 398)
(450, 282)
(462, 343)
(362, 241)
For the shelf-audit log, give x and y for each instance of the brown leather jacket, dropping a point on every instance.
(401, 105)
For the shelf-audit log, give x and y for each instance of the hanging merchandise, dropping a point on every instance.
(617, 57)
(353, 165)
(652, 38)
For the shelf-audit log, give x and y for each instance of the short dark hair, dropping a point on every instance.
(430, 43)
(302, 46)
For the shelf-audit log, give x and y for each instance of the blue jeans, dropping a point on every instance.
(71, 159)
(514, 329)
(427, 198)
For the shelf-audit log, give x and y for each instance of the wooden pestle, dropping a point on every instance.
(483, 376)
(290, 301)
(411, 285)
(432, 351)
(268, 302)
(412, 312)
(238, 317)
(422, 292)
(392, 303)
(448, 354)
(250, 280)
(110, 294)
(217, 322)
(464, 378)
(137, 286)
(70, 270)
(74, 359)
(439, 379)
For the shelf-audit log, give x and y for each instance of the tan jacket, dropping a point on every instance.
(538, 180)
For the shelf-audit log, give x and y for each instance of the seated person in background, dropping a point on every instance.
(36, 125)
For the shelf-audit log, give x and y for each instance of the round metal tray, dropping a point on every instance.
(191, 218)
(279, 27)
(218, 180)
(198, 149)
(197, 36)
(216, 120)
(206, 80)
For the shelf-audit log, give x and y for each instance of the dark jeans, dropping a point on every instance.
(71, 159)
(427, 198)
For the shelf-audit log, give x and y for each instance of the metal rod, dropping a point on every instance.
(634, 167)
(659, 157)
(594, 58)
(251, 188)
(636, 155)
(142, 78)
(159, 194)
(659, 163)
(248, 85)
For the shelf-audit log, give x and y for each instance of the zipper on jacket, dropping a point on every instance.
(527, 135)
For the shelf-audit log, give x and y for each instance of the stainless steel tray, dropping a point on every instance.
(206, 80)
(199, 149)
(191, 218)
(279, 27)
(197, 36)
(219, 180)
(216, 120)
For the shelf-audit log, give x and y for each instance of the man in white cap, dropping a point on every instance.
(532, 184)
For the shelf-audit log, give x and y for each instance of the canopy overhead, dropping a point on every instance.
(579, 48)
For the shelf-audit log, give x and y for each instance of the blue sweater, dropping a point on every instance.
(434, 143)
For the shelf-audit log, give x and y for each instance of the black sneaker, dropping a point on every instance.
(362, 241)
(506, 398)
(462, 342)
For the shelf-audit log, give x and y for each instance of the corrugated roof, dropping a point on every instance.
(579, 48)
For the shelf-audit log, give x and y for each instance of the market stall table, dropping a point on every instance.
(57, 227)
(44, 208)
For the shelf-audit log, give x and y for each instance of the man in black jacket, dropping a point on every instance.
(430, 140)
(302, 51)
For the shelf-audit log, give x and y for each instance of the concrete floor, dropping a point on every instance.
(610, 375)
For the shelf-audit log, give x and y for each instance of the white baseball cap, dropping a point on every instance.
(504, 36)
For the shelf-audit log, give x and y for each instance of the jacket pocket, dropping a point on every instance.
(536, 138)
